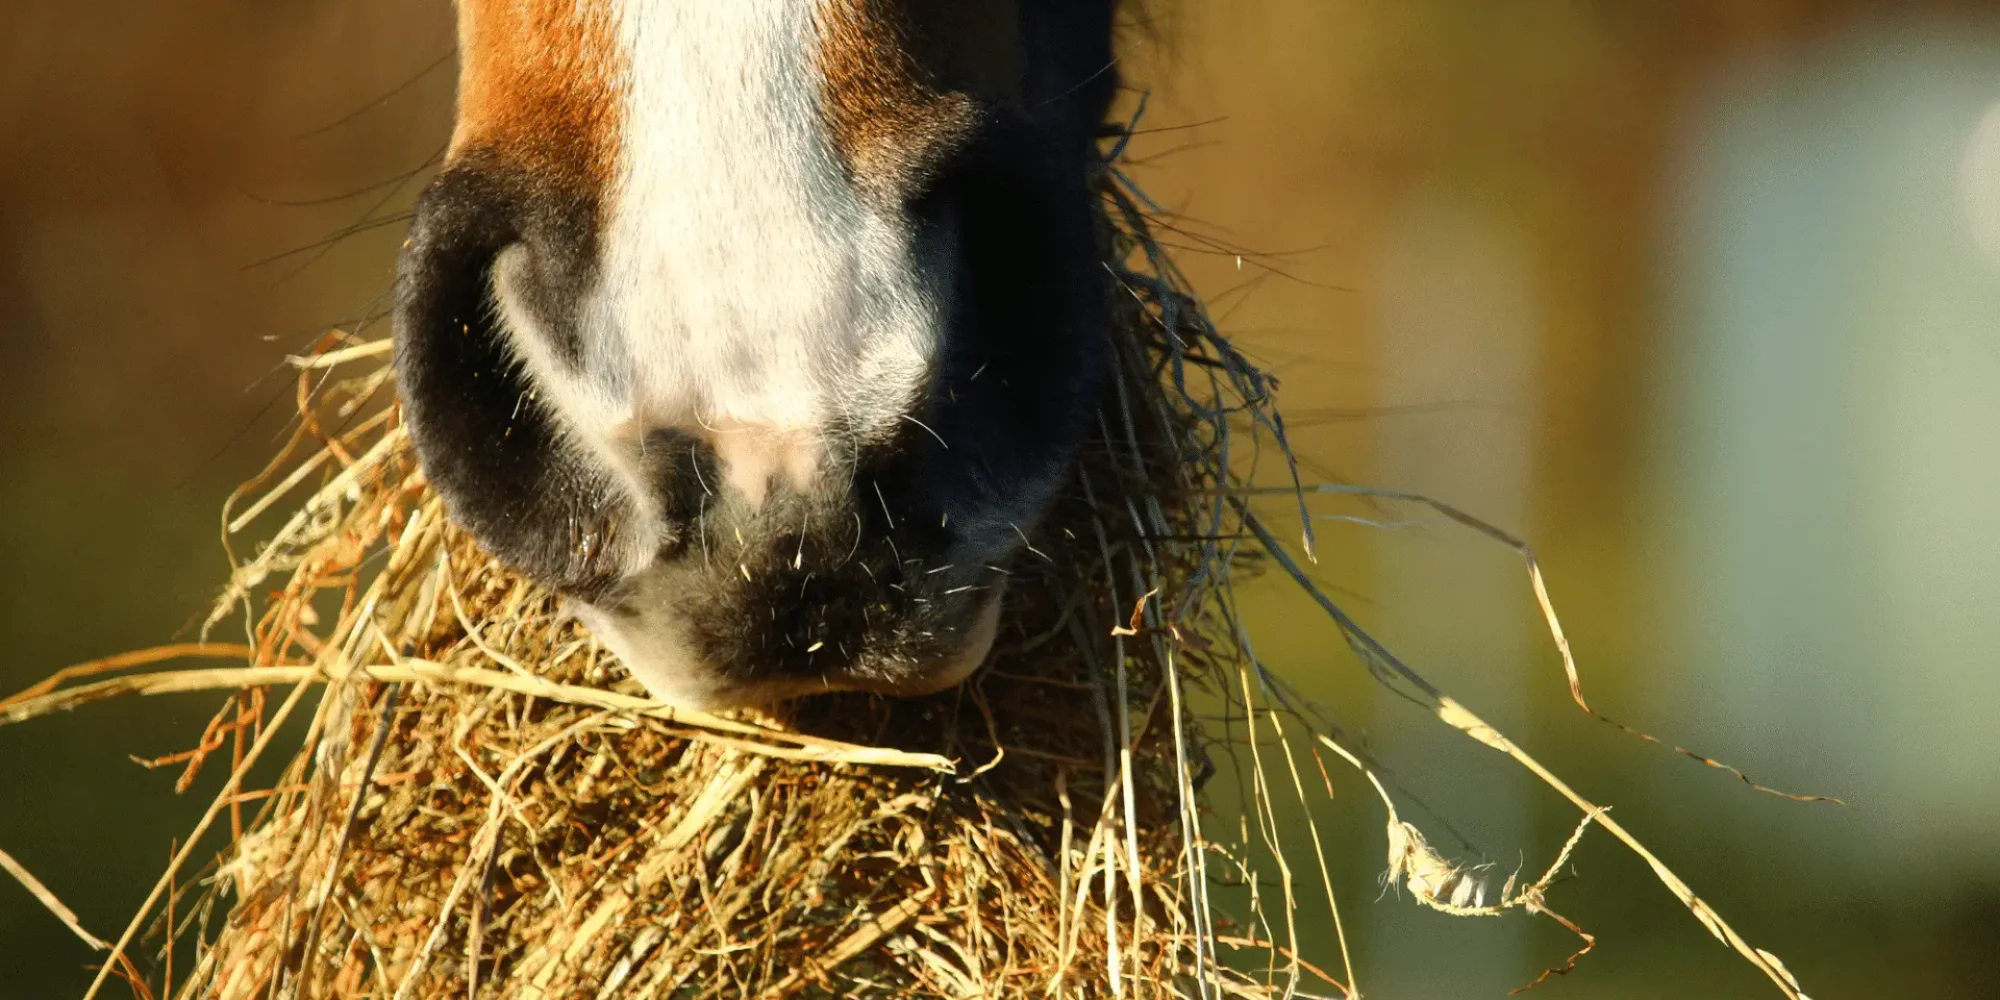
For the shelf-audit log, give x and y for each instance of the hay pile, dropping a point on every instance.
(483, 804)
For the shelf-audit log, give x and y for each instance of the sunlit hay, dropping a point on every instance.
(484, 804)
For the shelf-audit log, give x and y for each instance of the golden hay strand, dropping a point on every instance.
(483, 804)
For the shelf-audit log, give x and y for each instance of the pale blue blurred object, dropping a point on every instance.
(1828, 449)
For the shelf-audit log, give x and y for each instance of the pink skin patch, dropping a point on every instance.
(752, 456)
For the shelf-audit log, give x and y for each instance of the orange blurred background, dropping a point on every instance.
(1701, 298)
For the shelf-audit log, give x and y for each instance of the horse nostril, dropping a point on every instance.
(504, 469)
(460, 221)
(485, 236)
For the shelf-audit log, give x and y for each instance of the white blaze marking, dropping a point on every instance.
(746, 292)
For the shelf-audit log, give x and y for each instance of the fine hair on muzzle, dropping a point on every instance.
(763, 331)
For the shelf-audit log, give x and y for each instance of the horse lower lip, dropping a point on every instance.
(680, 667)
(978, 642)
(943, 676)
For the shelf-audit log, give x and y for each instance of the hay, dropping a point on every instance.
(483, 804)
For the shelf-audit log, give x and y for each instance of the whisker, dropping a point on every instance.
(857, 542)
(387, 96)
(927, 429)
(1030, 545)
(694, 462)
(885, 504)
(701, 528)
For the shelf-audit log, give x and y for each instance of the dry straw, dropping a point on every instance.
(480, 803)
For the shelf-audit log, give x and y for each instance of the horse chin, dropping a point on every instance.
(653, 650)
(954, 671)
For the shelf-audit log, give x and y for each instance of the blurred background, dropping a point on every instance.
(1702, 298)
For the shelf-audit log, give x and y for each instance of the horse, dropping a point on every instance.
(763, 331)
